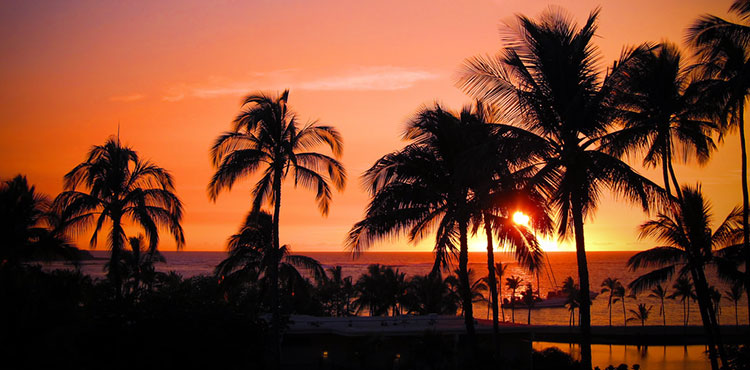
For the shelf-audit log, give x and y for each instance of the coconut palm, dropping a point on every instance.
(266, 137)
(432, 294)
(337, 292)
(572, 293)
(723, 49)
(528, 298)
(251, 255)
(546, 81)
(500, 269)
(735, 295)
(618, 295)
(641, 314)
(660, 293)
(684, 290)
(662, 112)
(114, 186)
(715, 295)
(29, 230)
(513, 283)
(138, 263)
(609, 285)
(690, 243)
(427, 186)
(380, 290)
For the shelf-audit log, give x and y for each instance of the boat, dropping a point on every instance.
(555, 298)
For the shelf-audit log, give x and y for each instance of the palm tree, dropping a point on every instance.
(266, 137)
(660, 293)
(337, 292)
(528, 298)
(499, 192)
(610, 285)
(432, 294)
(427, 186)
(138, 263)
(500, 269)
(251, 255)
(641, 314)
(513, 283)
(381, 289)
(29, 230)
(618, 294)
(546, 81)
(120, 187)
(735, 295)
(716, 301)
(662, 112)
(683, 289)
(723, 48)
(572, 293)
(690, 243)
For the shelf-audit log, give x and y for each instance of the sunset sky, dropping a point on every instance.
(172, 73)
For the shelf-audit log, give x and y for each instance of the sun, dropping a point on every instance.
(521, 219)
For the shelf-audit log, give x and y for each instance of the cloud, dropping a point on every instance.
(127, 98)
(371, 79)
(378, 78)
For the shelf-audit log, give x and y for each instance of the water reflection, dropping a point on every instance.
(648, 357)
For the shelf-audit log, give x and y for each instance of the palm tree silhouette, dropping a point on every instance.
(427, 186)
(572, 293)
(28, 227)
(251, 255)
(690, 242)
(610, 285)
(546, 81)
(528, 298)
(339, 292)
(120, 187)
(723, 49)
(684, 290)
(267, 138)
(641, 314)
(513, 283)
(432, 294)
(735, 295)
(618, 295)
(716, 302)
(379, 290)
(138, 264)
(662, 112)
(500, 269)
(660, 293)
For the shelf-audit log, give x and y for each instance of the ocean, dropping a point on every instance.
(561, 265)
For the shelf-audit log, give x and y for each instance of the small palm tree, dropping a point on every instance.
(618, 295)
(716, 301)
(432, 294)
(641, 314)
(683, 289)
(500, 270)
(337, 291)
(513, 283)
(735, 295)
(528, 298)
(251, 256)
(120, 187)
(139, 263)
(660, 293)
(609, 285)
(572, 293)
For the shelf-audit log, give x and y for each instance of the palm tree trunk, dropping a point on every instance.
(609, 304)
(663, 313)
(713, 316)
(702, 293)
(528, 320)
(273, 274)
(677, 189)
(114, 260)
(463, 267)
(745, 203)
(583, 277)
(624, 319)
(493, 286)
(665, 167)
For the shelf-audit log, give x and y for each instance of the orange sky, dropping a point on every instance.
(173, 73)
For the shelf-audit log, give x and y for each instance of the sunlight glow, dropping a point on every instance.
(521, 219)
